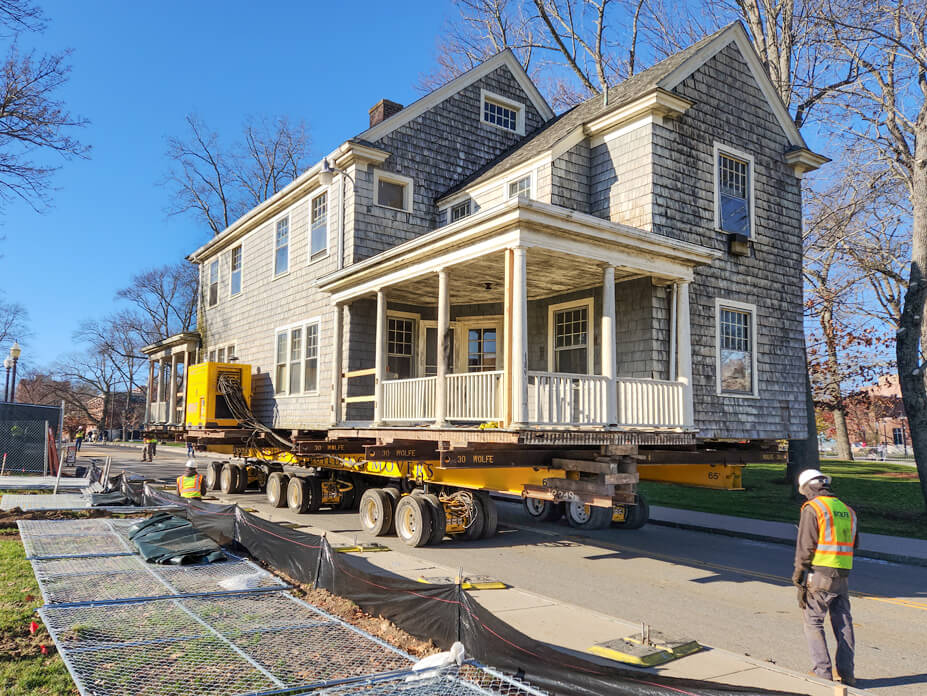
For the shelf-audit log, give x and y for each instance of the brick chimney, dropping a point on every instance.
(382, 110)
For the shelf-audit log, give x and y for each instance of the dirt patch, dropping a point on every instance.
(9, 518)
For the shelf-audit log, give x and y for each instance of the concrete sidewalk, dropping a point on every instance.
(878, 546)
(563, 624)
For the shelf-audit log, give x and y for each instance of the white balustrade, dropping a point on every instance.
(409, 400)
(651, 403)
(474, 396)
(565, 399)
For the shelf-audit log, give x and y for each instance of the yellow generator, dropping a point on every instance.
(206, 407)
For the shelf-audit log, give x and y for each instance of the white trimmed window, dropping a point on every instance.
(570, 335)
(392, 190)
(460, 210)
(224, 353)
(481, 349)
(400, 342)
(213, 286)
(282, 246)
(297, 359)
(501, 112)
(520, 187)
(235, 271)
(734, 197)
(318, 227)
(736, 343)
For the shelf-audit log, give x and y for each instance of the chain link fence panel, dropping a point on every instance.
(23, 443)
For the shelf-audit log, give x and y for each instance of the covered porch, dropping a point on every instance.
(520, 303)
(168, 362)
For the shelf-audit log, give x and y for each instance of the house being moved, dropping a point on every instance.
(628, 272)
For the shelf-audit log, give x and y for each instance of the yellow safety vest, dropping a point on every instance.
(190, 486)
(836, 532)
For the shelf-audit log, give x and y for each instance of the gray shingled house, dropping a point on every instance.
(631, 265)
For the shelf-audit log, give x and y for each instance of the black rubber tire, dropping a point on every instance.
(438, 519)
(313, 493)
(276, 489)
(413, 521)
(638, 515)
(376, 512)
(588, 516)
(241, 478)
(213, 469)
(228, 478)
(296, 495)
(475, 530)
(542, 510)
(394, 493)
(490, 515)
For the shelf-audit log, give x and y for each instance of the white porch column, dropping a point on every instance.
(684, 351)
(150, 392)
(609, 338)
(519, 337)
(159, 390)
(337, 363)
(444, 323)
(172, 394)
(183, 391)
(380, 363)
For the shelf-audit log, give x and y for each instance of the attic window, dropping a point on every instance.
(520, 187)
(501, 112)
(461, 210)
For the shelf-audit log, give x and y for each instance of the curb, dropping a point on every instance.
(875, 555)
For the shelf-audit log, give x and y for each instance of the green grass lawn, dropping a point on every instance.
(886, 496)
(24, 671)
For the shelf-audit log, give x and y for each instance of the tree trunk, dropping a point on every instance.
(804, 454)
(838, 408)
(911, 334)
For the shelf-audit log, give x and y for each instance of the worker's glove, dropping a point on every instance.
(802, 597)
(798, 577)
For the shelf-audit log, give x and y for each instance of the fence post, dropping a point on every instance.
(45, 435)
(58, 477)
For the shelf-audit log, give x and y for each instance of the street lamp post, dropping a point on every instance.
(7, 363)
(15, 352)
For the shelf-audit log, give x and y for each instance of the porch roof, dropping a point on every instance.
(186, 341)
(576, 241)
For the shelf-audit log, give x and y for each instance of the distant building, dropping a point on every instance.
(875, 416)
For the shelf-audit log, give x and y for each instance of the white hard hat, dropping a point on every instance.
(191, 464)
(809, 475)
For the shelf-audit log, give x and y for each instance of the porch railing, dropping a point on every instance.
(409, 399)
(474, 396)
(650, 403)
(564, 399)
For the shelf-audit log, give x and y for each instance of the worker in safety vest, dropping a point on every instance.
(148, 448)
(823, 560)
(191, 484)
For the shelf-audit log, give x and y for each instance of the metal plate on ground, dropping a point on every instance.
(647, 651)
(471, 582)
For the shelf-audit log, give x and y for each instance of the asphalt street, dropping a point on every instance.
(730, 593)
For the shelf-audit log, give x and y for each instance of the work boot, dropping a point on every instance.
(849, 681)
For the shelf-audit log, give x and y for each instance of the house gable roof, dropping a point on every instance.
(665, 75)
(417, 108)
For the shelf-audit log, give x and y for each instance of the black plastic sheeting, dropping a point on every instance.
(172, 540)
(442, 613)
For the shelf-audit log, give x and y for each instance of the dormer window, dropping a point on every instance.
(461, 210)
(498, 111)
(392, 191)
(520, 187)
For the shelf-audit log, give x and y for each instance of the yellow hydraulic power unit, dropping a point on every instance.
(206, 407)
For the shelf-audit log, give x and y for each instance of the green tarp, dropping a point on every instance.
(168, 539)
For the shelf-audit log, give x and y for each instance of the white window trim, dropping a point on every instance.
(218, 262)
(241, 271)
(717, 150)
(589, 304)
(224, 346)
(517, 107)
(532, 176)
(328, 226)
(462, 350)
(408, 191)
(302, 361)
(273, 246)
(416, 341)
(745, 307)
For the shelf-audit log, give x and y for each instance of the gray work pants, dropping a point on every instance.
(819, 604)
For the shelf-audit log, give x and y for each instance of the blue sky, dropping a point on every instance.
(138, 70)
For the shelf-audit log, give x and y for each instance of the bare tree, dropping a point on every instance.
(14, 324)
(884, 112)
(162, 301)
(220, 183)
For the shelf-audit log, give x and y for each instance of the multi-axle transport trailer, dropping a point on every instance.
(423, 483)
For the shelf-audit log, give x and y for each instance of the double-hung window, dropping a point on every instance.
(235, 271)
(297, 359)
(213, 288)
(736, 335)
(318, 227)
(733, 191)
(399, 343)
(481, 349)
(282, 246)
(570, 338)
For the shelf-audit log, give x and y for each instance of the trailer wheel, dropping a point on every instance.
(637, 515)
(241, 481)
(213, 470)
(543, 510)
(413, 521)
(228, 478)
(438, 518)
(296, 498)
(475, 530)
(588, 516)
(376, 512)
(276, 489)
(490, 515)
